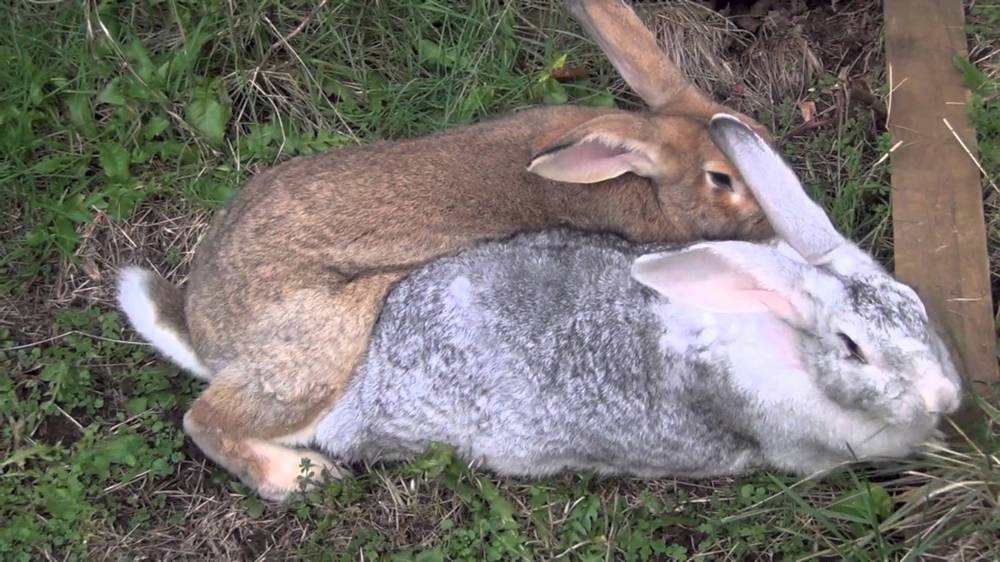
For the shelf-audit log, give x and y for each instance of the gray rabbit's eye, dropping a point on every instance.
(720, 180)
(852, 348)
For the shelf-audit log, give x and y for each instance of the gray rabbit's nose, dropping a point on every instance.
(941, 396)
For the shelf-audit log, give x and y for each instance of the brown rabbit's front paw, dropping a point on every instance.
(280, 468)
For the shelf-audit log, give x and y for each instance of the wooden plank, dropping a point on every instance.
(938, 224)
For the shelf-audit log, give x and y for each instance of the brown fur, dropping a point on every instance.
(289, 281)
(170, 301)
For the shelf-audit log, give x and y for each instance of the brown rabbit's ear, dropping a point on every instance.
(600, 149)
(632, 49)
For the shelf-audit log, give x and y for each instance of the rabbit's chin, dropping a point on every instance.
(890, 440)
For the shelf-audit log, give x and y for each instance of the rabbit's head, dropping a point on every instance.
(669, 145)
(864, 337)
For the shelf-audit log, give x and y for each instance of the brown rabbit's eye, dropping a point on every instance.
(721, 181)
(852, 348)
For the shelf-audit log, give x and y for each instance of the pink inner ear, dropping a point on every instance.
(771, 301)
(588, 161)
(703, 279)
(722, 296)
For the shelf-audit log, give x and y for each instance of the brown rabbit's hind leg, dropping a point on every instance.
(280, 389)
(269, 466)
(285, 469)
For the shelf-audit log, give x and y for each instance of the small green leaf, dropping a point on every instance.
(254, 507)
(64, 501)
(183, 61)
(37, 236)
(477, 100)
(429, 556)
(115, 161)
(116, 450)
(50, 164)
(65, 235)
(256, 143)
(428, 51)
(601, 100)
(344, 95)
(136, 405)
(434, 460)
(208, 112)
(210, 191)
(36, 92)
(139, 57)
(499, 506)
(156, 125)
(76, 208)
(555, 94)
(112, 93)
(21, 455)
(676, 552)
(81, 114)
(869, 502)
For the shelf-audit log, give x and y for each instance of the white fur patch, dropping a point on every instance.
(135, 302)
(283, 466)
(766, 360)
(459, 293)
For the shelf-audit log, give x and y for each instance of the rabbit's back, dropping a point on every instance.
(535, 355)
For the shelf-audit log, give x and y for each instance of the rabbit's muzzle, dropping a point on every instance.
(941, 395)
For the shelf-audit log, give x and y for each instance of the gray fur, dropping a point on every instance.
(503, 351)
(541, 353)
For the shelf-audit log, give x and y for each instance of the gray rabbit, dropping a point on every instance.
(562, 350)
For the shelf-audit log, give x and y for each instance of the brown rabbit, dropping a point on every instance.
(287, 284)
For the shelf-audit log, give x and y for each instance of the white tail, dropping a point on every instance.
(143, 313)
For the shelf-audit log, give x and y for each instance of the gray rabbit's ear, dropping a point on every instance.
(794, 216)
(724, 278)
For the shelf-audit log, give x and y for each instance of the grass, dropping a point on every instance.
(123, 125)
(982, 77)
